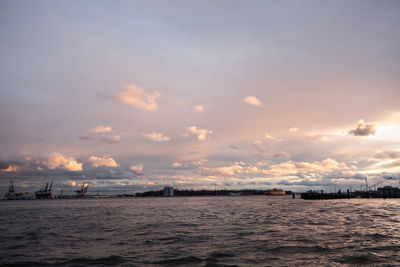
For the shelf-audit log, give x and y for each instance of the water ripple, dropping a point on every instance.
(200, 231)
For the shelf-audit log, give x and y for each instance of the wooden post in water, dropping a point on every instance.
(294, 195)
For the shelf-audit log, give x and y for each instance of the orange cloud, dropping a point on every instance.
(137, 169)
(198, 108)
(202, 134)
(176, 164)
(56, 160)
(105, 161)
(252, 100)
(138, 98)
(156, 137)
(10, 168)
(318, 139)
(283, 169)
(101, 129)
(272, 138)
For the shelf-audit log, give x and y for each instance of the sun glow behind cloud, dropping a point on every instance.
(388, 133)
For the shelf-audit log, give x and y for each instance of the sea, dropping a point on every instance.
(200, 231)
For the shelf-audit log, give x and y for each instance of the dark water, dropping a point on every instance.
(200, 231)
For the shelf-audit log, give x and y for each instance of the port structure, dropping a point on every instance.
(11, 188)
(82, 192)
(45, 193)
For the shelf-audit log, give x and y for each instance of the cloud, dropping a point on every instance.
(257, 145)
(231, 171)
(324, 139)
(252, 100)
(283, 169)
(137, 169)
(363, 129)
(69, 183)
(293, 130)
(9, 168)
(272, 138)
(156, 137)
(198, 108)
(391, 164)
(318, 139)
(101, 129)
(111, 139)
(200, 162)
(202, 134)
(56, 160)
(218, 172)
(233, 147)
(387, 155)
(283, 155)
(138, 98)
(105, 161)
(292, 168)
(306, 182)
(176, 164)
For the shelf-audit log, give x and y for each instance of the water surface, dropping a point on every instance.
(200, 231)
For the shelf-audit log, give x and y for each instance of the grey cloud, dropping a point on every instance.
(258, 146)
(358, 176)
(391, 164)
(388, 155)
(283, 155)
(233, 147)
(392, 177)
(111, 139)
(306, 182)
(3, 165)
(363, 129)
(34, 169)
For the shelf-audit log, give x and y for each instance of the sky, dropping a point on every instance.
(131, 96)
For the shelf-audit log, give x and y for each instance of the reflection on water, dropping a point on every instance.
(200, 231)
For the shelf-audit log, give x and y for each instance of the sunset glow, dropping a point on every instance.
(208, 95)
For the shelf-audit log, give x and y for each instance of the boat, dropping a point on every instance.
(275, 192)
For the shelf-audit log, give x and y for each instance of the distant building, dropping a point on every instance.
(168, 191)
(389, 191)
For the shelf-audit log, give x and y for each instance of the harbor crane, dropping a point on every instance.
(82, 192)
(45, 193)
(385, 179)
